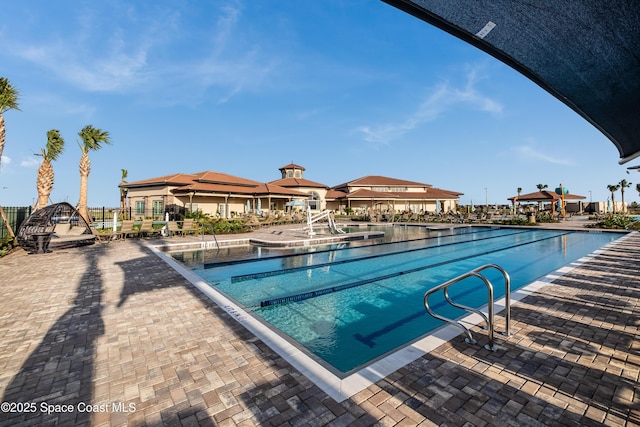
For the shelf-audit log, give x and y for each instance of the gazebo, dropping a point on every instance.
(546, 196)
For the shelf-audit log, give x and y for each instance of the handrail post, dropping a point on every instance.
(507, 295)
(491, 346)
(490, 318)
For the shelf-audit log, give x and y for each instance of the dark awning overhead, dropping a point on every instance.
(586, 53)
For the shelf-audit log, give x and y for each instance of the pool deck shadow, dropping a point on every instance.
(113, 332)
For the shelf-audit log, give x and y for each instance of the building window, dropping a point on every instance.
(157, 207)
(314, 201)
(140, 207)
(298, 174)
(289, 174)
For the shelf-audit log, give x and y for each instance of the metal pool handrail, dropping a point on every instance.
(488, 319)
(215, 239)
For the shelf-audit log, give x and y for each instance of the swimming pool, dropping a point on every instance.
(347, 305)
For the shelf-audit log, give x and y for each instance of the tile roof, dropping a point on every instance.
(226, 179)
(292, 166)
(215, 182)
(334, 194)
(378, 180)
(258, 189)
(175, 179)
(297, 182)
(430, 194)
(544, 195)
(222, 183)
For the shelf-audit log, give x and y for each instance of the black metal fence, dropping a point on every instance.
(15, 217)
(17, 214)
(157, 213)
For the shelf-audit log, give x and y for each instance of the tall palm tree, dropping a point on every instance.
(519, 190)
(613, 189)
(123, 193)
(44, 183)
(541, 187)
(8, 101)
(92, 140)
(623, 184)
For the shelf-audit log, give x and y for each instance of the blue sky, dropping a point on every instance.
(344, 88)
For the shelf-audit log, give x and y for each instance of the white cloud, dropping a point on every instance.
(527, 152)
(444, 97)
(30, 162)
(150, 51)
(4, 160)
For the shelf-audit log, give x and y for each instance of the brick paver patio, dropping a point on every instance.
(109, 335)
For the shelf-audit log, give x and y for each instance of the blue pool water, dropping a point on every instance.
(350, 304)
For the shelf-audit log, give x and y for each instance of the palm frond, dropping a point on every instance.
(55, 144)
(8, 96)
(92, 138)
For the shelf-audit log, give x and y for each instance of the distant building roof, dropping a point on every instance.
(377, 180)
(544, 196)
(175, 179)
(430, 194)
(214, 182)
(297, 182)
(292, 166)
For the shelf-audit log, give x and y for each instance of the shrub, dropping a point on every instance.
(513, 221)
(6, 244)
(617, 222)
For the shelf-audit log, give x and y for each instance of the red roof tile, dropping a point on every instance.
(544, 196)
(292, 166)
(377, 180)
(297, 182)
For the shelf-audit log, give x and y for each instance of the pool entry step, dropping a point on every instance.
(489, 318)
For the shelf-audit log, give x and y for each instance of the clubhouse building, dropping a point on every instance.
(228, 196)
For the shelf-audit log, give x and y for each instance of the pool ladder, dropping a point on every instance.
(488, 319)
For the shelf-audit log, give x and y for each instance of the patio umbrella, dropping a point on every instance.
(115, 220)
(248, 206)
(437, 206)
(608, 204)
(259, 207)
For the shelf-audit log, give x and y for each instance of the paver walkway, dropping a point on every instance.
(109, 335)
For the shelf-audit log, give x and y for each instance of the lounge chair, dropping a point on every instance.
(173, 228)
(190, 226)
(126, 229)
(147, 229)
(106, 236)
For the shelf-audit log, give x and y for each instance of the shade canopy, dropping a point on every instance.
(586, 53)
(545, 196)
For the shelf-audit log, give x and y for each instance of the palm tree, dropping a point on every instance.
(8, 101)
(541, 187)
(123, 193)
(44, 183)
(623, 184)
(613, 189)
(92, 139)
(519, 190)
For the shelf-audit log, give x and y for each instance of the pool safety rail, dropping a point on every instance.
(326, 214)
(213, 232)
(489, 318)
